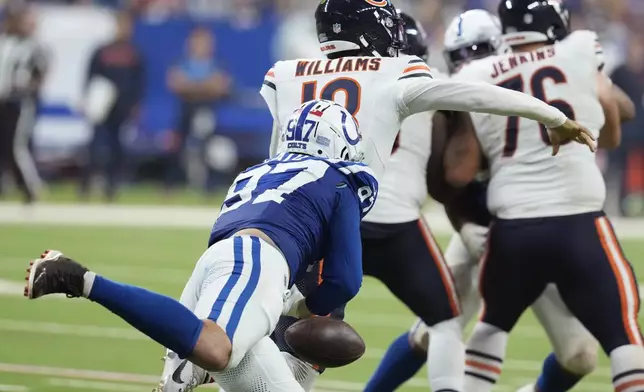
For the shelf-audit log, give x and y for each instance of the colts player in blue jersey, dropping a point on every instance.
(278, 218)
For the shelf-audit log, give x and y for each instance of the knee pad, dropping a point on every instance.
(580, 358)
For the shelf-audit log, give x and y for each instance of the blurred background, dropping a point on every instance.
(186, 116)
(153, 106)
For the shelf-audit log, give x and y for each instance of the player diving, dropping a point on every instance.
(302, 205)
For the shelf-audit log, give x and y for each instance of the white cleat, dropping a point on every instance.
(181, 375)
(527, 388)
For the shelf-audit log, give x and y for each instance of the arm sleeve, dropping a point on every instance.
(424, 94)
(269, 93)
(342, 269)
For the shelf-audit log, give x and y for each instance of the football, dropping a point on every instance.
(324, 341)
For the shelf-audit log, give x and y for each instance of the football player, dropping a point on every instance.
(549, 226)
(394, 231)
(473, 35)
(366, 71)
(399, 249)
(303, 205)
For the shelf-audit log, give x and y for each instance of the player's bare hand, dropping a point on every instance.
(571, 130)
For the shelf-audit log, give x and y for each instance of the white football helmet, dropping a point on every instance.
(322, 129)
(474, 34)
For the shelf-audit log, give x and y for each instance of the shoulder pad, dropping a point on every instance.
(586, 43)
(413, 67)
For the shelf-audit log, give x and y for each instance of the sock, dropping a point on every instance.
(627, 367)
(399, 364)
(161, 318)
(446, 357)
(484, 357)
(554, 378)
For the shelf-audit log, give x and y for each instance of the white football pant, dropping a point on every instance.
(240, 283)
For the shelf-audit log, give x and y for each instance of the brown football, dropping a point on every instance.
(324, 341)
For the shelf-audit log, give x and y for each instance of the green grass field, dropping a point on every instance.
(141, 194)
(56, 345)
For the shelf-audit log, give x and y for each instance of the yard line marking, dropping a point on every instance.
(93, 331)
(588, 386)
(8, 287)
(77, 373)
(96, 385)
(13, 388)
(127, 333)
(107, 378)
(90, 331)
(197, 217)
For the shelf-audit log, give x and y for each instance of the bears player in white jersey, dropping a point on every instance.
(398, 248)
(548, 224)
(473, 35)
(366, 71)
(278, 217)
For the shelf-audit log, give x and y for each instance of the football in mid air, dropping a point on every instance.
(324, 341)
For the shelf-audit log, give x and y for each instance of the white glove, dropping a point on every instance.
(293, 300)
(475, 238)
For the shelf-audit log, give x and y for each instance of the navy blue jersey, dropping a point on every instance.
(311, 208)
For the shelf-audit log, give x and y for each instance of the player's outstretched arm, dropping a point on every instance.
(342, 269)
(610, 135)
(627, 111)
(431, 94)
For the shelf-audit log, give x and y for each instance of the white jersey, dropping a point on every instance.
(403, 189)
(366, 86)
(526, 180)
(381, 93)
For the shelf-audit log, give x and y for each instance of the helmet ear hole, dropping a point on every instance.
(320, 152)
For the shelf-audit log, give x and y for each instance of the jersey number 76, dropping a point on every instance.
(538, 91)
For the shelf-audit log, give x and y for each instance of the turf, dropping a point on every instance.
(141, 194)
(76, 335)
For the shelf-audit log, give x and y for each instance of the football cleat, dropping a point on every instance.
(181, 375)
(54, 273)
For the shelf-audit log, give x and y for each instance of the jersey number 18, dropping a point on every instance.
(351, 88)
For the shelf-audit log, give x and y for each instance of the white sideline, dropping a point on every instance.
(93, 331)
(193, 217)
(13, 388)
(108, 379)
